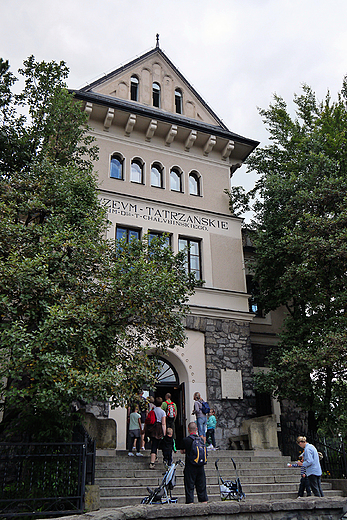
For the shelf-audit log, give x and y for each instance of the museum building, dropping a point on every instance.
(165, 159)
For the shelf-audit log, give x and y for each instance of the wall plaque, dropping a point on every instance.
(231, 382)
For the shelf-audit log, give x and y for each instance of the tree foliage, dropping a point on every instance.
(301, 241)
(79, 314)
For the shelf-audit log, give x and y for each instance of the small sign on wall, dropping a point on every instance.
(231, 382)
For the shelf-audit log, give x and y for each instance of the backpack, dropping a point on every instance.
(198, 453)
(170, 410)
(205, 408)
(151, 418)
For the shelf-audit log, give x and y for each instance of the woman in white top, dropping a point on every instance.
(158, 430)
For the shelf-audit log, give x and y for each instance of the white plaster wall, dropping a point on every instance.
(190, 365)
(120, 416)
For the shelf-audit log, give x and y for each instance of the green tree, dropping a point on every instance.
(78, 314)
(301, 241)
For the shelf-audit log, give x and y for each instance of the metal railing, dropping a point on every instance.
(334, 462)
(48, 479)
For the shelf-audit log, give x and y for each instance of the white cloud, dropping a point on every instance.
(235, 53)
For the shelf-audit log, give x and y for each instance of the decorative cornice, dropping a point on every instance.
(160, 115)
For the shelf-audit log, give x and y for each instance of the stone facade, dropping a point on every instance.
(227, 346)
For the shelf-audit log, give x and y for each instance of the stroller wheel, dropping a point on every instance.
(145, 500)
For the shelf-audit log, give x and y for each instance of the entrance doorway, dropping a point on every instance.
(168, 382)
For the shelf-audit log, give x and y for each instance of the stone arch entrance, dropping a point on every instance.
(169, 382)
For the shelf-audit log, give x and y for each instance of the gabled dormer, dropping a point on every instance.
(153, 81)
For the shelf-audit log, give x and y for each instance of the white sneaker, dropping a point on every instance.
(130, 454)
(139, 454)
(134, 448)
(143, 448)
(210, 447)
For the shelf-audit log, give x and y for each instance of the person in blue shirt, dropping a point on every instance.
(312, 466)
(211, 426)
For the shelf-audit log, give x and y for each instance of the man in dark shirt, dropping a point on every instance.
(194, 476)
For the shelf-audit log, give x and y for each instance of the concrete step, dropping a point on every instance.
(123, 480)
(212, 489)
(214, 497)
(212, 484)
(153, 481)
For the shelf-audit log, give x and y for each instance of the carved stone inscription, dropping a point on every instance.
(163, 215)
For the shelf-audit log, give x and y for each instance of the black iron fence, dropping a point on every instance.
(44, 479)
(333, 463)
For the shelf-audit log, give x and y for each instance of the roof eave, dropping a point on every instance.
(154, 113)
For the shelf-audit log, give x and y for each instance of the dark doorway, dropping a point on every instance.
(168, 382)
(177, 396)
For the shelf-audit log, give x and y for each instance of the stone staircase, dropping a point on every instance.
(123, 480)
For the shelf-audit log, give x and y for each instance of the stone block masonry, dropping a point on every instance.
(227, 346)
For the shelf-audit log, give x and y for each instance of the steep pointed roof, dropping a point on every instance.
(113, 92)
(96, 85)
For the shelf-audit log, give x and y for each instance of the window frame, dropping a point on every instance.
(189, 241)
(154, 233)
(119, 157)
(179, 174)
(140, 163)
(178, 101)
(156, 94)
(159, 167)
(128, 230)
(197, 178)
(134, 87)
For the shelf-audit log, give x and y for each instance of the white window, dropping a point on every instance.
(136, 172)
(191, 247)
(175, 180)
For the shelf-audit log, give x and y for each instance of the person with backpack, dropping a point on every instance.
(201, 410)
(170, 409)
(194, 469)
(155, 426)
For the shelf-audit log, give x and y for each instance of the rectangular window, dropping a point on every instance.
(154, 234)
(127, 233)
(193, 255)
(253, 290)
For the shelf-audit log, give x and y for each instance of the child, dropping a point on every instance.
(211, 426)
(304, 482)
(135, 431)
(167, 444)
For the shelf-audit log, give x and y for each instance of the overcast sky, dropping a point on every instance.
(236, 53)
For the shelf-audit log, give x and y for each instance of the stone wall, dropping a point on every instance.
(227, 346)
(306, 509)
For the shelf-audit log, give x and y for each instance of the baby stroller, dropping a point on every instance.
(230, 490)
(162, 494)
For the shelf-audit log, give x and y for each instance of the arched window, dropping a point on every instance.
(134, 88)
(175, 180)
(194, 183)
(156, 95)
(157, 175)
(167, 374)
(178, 101)
(136, 172)
(116, 166)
